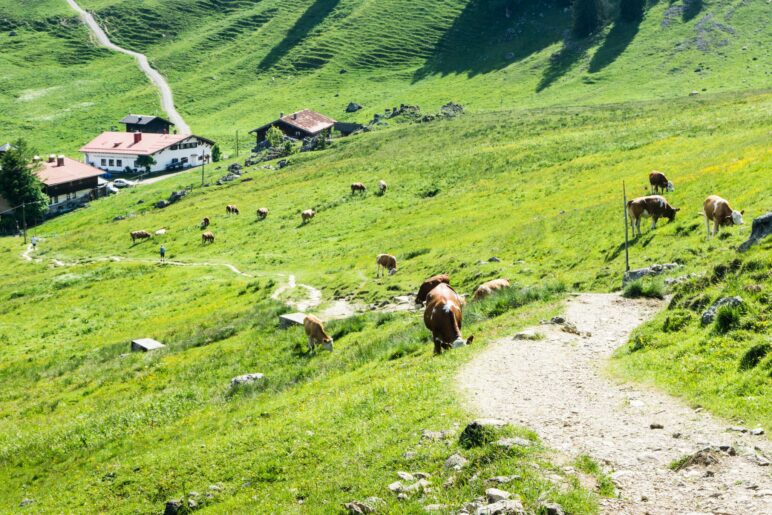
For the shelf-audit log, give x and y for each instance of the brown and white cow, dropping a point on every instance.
(307, 215)
(205, 222)
(659, 182)
(382, 187)
(230, 209)
(428, 285)
(720, 213)
(489, 287)
(140, 235)
(443, 318)
(262, 213)
(316, 333)
(652, 206)
(358, 186)
(207, 237)
(385, 261)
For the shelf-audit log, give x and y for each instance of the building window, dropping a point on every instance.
(184, 160)
(173, 147)
(104, 162)
(118, 162)
(112, 162)
(174, 160)
(50, 200)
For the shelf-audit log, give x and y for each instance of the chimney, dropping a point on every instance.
(51, 158)
(295, 116)
(137, 137)
(60, 160)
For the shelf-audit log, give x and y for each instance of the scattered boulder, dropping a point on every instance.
(369, 505)
(421, 475)
(119, 218)
(11, 33)
(757, 432)
(173, 507)
(436, 435)
(494, 259)
(656, 425)
(162, 204)
(558, 320)
(507, 506)
(353, 107)
(176, 196)
(761, 228)
(246, 379)
(456, 462)
(738, 429)
(495, 495)
(419, 486)
(710, 314)
(633, 275)
(451, 109)
(405, 476)
(25, 502)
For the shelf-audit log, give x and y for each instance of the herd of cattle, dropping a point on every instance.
(442, 305)
(715, 208)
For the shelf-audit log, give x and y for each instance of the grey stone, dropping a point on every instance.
(655, 269)
(503, 480)
(507, 506)
(353, 107)
(25, 502)
(422, 475)
(456, 462)
(405, 476)
(161, 204)
(496, 495)
(656, 425)
(757, 432)
(494, 259)
(710, 314)
(558, 320)
(761, 228)
(436, 435)
(396, 486)
(738, 429)
(119, 218)
(369, 505)
(173, 507)
(246, 379)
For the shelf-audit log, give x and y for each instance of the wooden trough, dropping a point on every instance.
(290, 319)
(145, 344)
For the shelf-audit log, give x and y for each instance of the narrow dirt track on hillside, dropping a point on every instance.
(556, 387)
(167, 98)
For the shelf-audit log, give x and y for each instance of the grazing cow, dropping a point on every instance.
(721, 213)
(307, 215)
(386, 261)
(381, 187)
(428, 285)
(489, 287)
(659, 183)
(207, 237)
(316, 334)
(230, 209)
(140, 235)
(262, 213)
(442, 317)
(652, 206)
(205, 222)
(358, 186)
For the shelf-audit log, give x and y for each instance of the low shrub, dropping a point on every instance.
(754, 355)
(727, 318)
(645, 287)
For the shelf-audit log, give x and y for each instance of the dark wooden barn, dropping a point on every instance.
(145, 123)
(300, 125)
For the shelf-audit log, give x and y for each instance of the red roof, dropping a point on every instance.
(51, 174)
(123, 143)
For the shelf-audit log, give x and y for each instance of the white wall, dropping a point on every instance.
(163, 157)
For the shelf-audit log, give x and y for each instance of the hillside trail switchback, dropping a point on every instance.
(556, 387)
(167, 98)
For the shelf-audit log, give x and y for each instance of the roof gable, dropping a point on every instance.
(142, 119)
(305, 120)
(50, 174)
(123, 142)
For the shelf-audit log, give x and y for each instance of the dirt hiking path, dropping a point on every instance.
(556, 387)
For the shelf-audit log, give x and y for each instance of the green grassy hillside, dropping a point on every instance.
(235, 64)
(88, 427)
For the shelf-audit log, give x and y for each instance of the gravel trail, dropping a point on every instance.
(556, 387)
(167, 98)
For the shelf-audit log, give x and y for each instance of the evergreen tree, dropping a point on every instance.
(587, 17)
(631, 10)
(18, 182)
(145, 162)
(216, 154)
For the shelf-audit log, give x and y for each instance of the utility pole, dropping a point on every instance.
(203, 163)
(24, 221)
(624, 208)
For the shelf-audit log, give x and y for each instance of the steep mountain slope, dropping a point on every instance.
(234, 64)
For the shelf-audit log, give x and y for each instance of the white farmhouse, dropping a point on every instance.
(117, 151)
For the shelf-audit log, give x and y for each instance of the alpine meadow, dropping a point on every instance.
(341, 153)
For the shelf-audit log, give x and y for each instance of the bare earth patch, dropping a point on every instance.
(556, 387)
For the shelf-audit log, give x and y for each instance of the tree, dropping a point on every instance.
(18, 182)
(145, 162)
(631, 10)
(216, 154)
(587, 17)
(275, 137)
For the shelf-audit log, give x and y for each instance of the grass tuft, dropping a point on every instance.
(652, 288)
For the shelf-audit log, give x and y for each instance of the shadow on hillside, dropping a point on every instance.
(313, 16)
(691, 9)
(561, 61)
(618, 39)
(489, 35)
(643, 241)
